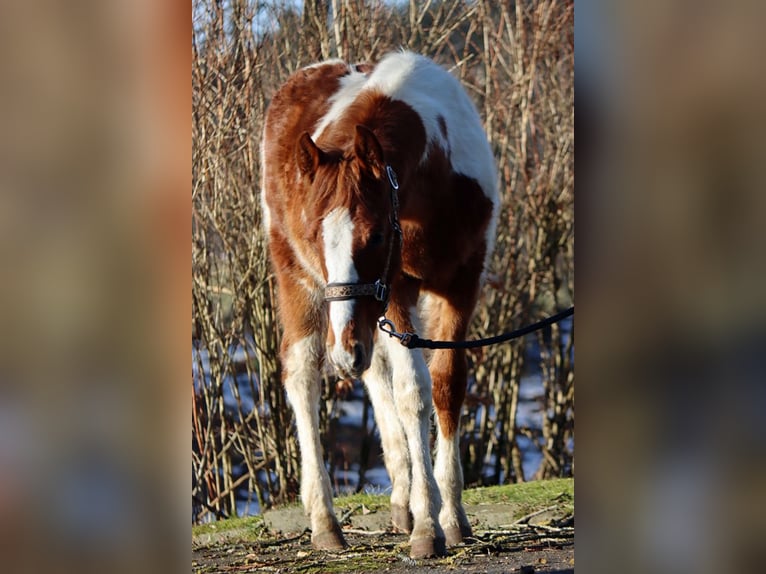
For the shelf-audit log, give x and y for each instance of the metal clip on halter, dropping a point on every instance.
(392, 177)
(388, 327)
(381, 291)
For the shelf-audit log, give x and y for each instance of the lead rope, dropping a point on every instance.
(412, 341)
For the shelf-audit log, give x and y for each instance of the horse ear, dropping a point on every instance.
(369, 151)
(307, 154)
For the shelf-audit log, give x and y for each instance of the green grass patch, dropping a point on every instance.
(528, 496)
(534, 494)
(370, 501)
(243, 525)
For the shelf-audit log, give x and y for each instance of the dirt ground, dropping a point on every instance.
(541, 542)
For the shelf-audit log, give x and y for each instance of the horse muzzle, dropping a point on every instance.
(350, 362)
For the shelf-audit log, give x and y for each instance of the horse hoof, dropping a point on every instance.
(330, 540)
(401, 518)
(456, 534)
(428, 548)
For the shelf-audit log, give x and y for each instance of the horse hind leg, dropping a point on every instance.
(301, 379)
(449, 391)
(449, 378)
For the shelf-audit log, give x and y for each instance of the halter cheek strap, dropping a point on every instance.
(381, 289)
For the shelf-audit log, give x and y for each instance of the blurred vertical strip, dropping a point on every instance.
(672, 276)
(94, 299)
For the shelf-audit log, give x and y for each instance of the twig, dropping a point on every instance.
(284, 540)
(363, 532)
(348, 513)
(525, 519)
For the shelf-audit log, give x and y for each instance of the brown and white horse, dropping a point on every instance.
(380, 196)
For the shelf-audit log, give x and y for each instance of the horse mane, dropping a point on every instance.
(340, 183)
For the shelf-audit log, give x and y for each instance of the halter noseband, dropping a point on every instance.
(381, 289)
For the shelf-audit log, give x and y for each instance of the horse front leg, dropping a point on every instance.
(302, 381)
(396, 456)
(302, 354)
(412, 396)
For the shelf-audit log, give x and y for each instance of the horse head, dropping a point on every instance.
(356, 232)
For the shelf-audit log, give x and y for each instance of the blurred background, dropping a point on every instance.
(94, 296)
(671, 277)
(95, 300)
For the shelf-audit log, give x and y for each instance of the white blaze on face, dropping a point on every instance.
(338, 236)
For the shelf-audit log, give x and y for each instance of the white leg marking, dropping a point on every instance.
(302, 384)
(412, 395)
(449, 476)
(338, 237)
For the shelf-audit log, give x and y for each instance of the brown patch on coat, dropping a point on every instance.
(364, 68)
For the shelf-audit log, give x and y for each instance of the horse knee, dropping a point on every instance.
(413, 402)
(300, 373)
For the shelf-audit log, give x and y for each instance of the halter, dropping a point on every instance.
(380, 289)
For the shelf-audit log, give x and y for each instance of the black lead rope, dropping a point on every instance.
(412, 341)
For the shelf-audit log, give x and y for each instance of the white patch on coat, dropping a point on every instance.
(338, 238)
(449, 476)
(330, 62)
(350, 86)
(432, 92)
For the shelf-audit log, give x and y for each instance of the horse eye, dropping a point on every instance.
(376, 239)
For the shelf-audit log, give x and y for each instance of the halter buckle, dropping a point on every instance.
(381, 292)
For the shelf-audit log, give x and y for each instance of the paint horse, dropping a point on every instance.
(380, 197)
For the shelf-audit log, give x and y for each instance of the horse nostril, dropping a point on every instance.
(358, 356)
